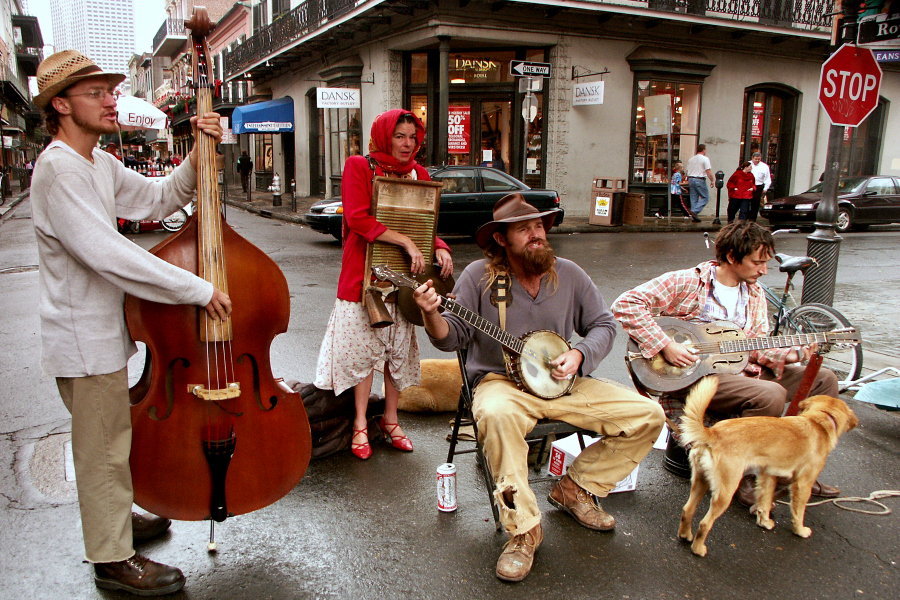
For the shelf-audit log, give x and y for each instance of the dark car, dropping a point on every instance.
(862, 201)
(467, 200)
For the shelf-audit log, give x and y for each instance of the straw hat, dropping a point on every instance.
(511, 209)
(63, 69)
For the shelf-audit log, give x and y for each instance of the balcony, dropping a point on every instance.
(170, 37)
(29, 43)
(314, 26)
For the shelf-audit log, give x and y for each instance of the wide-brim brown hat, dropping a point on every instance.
(511, 209)
(63, 69)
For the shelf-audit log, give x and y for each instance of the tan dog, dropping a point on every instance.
(438, 390)
(790, 447)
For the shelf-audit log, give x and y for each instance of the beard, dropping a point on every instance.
(96, 128)
(535, 261)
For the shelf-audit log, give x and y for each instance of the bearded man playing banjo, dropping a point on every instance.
(522, 278)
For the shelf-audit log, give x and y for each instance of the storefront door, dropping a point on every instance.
(479, 132)
(769, 123)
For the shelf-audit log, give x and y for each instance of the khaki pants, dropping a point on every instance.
(767, 396)
(101, 445)
(628, 422)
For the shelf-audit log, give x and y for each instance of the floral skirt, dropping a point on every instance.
(351, 349)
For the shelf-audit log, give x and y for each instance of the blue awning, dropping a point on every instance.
(274, 116)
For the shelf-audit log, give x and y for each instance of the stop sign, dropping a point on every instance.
(849, 84)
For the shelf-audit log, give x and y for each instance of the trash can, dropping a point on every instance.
(633, 212)
(607, 208)
(607, 199)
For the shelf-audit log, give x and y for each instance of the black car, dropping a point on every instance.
(467, 200)
(862, 201)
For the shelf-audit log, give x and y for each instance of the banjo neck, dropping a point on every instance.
(506, 339)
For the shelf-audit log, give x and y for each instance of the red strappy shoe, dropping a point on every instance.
(400, 443)
(363, 450)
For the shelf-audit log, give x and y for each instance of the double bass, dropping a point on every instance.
(214, 433)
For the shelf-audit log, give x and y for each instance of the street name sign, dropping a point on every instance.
(849, 85)
(521, 68)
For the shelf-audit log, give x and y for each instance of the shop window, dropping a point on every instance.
(264, 159)
(418, 104)
(343, 126)
(652, 158)
(418, 68)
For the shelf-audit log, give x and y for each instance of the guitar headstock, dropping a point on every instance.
(385, 273)
(848, 336)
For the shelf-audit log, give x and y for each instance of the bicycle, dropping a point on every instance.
(786, 318)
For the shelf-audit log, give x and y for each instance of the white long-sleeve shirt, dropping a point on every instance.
(87, 266)
(762, 174)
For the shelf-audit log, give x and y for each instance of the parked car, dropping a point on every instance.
(467, 200)
(862, 201)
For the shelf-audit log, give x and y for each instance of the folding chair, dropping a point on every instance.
(539, 435)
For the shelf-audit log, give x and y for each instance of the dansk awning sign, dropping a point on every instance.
(590, 92)
(337, 98)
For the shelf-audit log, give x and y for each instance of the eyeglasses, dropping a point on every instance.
(97, 94)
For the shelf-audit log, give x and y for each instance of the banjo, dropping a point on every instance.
(721, 346)
(529, 366)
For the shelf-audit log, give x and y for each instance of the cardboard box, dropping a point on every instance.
(564, 451)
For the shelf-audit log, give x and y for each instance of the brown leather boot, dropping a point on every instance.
(147, 526)
(138, 575)
(581, 504)
(517, 557)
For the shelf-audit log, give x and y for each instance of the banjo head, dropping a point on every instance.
(540, 348)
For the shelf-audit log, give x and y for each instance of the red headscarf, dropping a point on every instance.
(380, 142)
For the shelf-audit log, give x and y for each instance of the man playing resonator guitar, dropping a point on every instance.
(539, 292)
(725, 290)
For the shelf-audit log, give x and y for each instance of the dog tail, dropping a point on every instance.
(691, 429)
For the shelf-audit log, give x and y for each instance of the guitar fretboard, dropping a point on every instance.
(506, 339)
(766, 343)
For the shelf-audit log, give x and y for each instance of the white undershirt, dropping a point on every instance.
(728, 297)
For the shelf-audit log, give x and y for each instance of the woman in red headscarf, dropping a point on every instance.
(352, 349)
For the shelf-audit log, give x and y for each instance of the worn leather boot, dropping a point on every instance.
(517, 557)
(147, 526)
(138, 575)
(746, 493)
(581, 504)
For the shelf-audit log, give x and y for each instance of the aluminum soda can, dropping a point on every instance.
(446, 487)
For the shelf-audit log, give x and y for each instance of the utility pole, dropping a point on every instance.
(824, 243)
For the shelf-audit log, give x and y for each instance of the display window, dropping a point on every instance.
(652, 159)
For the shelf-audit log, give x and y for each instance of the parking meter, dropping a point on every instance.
(720, 183)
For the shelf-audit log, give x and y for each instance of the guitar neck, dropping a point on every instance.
(507, 340)
(767, 343)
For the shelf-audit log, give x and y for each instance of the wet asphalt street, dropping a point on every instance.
(354, 529)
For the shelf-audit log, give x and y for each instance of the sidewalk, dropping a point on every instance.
(262, 203)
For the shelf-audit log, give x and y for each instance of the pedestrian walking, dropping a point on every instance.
(244, 169)
(698, 168)
(762, 180)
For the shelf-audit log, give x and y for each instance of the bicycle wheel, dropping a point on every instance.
(845, 361)
(175, 221)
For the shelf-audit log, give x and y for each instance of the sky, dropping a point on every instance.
(148, 16)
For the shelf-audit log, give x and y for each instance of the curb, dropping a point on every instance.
(565, 228)
(10, 204)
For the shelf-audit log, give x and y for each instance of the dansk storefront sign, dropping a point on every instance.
(337, 98)
(590, 92)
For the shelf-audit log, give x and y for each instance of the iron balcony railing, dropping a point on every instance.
(313, 14)
(169, 27)
(286, 29)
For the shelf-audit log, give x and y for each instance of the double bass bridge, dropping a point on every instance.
(232, 390)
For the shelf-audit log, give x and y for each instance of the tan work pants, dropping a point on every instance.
(101, 445)
(628, 422)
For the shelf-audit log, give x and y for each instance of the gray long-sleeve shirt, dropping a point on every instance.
(575, 307)
(87, 267)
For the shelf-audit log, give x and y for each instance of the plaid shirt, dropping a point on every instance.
(685, 294)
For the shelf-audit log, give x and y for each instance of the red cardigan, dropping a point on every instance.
(360, 228)
(741, 185)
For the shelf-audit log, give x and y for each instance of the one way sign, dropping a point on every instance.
(521, 68)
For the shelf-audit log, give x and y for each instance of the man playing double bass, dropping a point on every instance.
(542, 292)
(86, 268)
(725, 289)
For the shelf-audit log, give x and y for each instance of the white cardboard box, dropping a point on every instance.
(564, 451)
